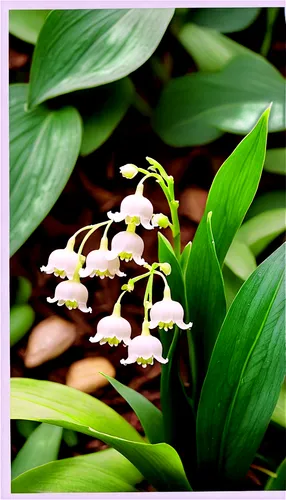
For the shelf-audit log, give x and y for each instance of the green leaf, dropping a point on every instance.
(279, 482)
(24, 290)
(210, 50)
(245, 375)
(111, 102)
(240, 259)
(44, 146)
(232, 284)
(185, 255)
(27, 24)
(265, 202)
(260, 230)
(175, 279)
(279, 414)
(198, 108)
(26, 427)
(41, 447)
(275, 161)
(61, 405)
(104, 471)
(224, 19)
(80, 49)
(205, 291)
(233, 190)
(21, 319)
(70, 438)
(149, 415)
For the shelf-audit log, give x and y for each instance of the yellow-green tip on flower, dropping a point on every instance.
(143, 349)
(71, 294)
(112, 330)
(161, 221)
(166, 313)
(165, 268)
(129, 171)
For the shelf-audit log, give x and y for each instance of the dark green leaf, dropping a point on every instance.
(70, 437)
(61, 405)
(41, 447)
(175, 279)
(197, 108)
(44, 146)
(104, 471)
(224, 19)
(24, 291)
(27, 24)
(21, 319)
(26, 427)
(245, 375)
(102, 109)
(80, 49)
(278, 483)
(275, 161)
(149, 415)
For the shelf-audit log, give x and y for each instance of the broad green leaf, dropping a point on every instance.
(266, 202)
(21, 319)
(61, 405)
(210, 50)
(279, 482)
(24, 290)
(111, 102)
(104, 471)
(224, 19)
(232, 284)
(198, 108)
(205, 292)
(44, 146)
(240, 259)
(232, 191)
(279, 414)
(149, 415)
(27, 24)
(275, 161)
(41, 447)
(244, 376)
(260, 230)
(80, 49)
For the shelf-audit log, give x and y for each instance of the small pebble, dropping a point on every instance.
(84, 374)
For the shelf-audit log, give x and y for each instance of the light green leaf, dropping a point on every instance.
(100, 119)
(279, 414)
(80, 49)
(279, 482)
(275, 161)
(232, 284)
(205, 293)
(210, 50)
(185, 255)
(245, 375)
(61, 405)
(197, 108)
(104, 471)
(266, 202)
(44, 146)
(240, 259)
(224, 19)
(21, 319)
(41, 447)
(260, 230)
(149, 415)
(27, 24)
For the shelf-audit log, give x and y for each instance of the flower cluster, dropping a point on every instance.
(103, 262)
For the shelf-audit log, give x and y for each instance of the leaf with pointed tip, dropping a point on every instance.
(279, 482)
(224, 19)
(27, 24)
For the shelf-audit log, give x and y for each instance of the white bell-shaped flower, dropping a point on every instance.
(135, 209)
(101, 263)
(73, 294)
(166, 313)
(128, 246)
(129, 171)
(143, 350)
(62, 262)
(112, 330)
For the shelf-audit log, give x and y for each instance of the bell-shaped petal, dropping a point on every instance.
(166, 313)
(128, 246)
(134, 208)
(143, 350)
(102, 263)
(61, 262)
(72, 294)
(112, 330)
(129, 171)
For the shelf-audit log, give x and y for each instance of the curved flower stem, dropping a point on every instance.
(71, 241)
(148, 290)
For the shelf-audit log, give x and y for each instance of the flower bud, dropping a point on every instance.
(129, 171)
(165, 268)
(160, 220)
